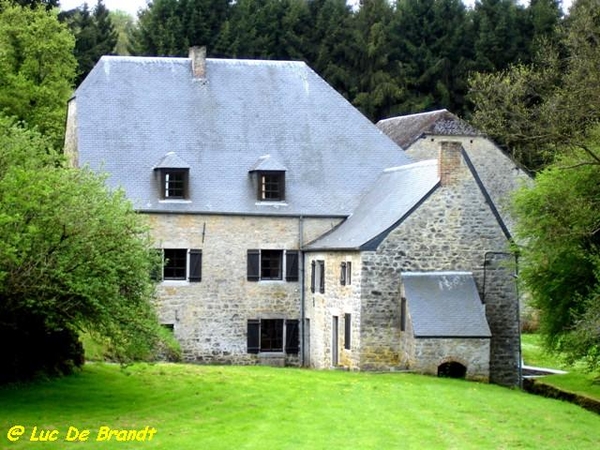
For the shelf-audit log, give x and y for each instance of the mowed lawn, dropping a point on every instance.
(214, 407)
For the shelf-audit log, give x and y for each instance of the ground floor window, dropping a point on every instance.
(273, 335)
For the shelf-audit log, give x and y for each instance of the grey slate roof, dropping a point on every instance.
(444, 304)
(132, 111)
(394, 195)
(404, 130)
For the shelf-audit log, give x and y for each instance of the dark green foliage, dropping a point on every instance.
(94, 33)
(73, 256)
(559, 223)
(37, 68)
(170, 27)
(433, 43)
(33, 4)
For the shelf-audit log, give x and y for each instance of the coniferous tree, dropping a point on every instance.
(432, 42)
(376, 90)
(95, 35)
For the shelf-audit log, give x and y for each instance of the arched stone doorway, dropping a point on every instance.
(452, 369)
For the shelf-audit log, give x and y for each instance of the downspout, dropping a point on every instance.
(302, 291)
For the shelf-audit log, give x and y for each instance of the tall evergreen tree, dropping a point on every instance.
(498, 35)
(170, 27)
(376, 90)
(432, 41)
(95, 35)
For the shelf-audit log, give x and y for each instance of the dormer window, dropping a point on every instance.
(174, 183)
(271, 186)
(172, 177)
(269, 177)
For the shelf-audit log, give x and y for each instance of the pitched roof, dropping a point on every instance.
(132, 111)
(404, 130)
(392, 197)
(444, 304)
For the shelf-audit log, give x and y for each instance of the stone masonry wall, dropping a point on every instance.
(474, 354)
(451, 231)
(499, 173)
(338, 300)
(210, 317)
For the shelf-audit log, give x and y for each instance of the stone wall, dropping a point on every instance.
(499, 173)
(453, 230)
(474, 354)
(338, 300)
(210, 317)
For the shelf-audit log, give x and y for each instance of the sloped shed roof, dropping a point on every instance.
(445, 305)
(404, 130)
(393, 196)
(132, 111)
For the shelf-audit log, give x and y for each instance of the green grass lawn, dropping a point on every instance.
(576, 380)
(212, 407)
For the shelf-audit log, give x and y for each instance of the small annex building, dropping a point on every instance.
(293, 230)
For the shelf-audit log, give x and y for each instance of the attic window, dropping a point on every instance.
(174, 183)
(172, 177)
(271, 186)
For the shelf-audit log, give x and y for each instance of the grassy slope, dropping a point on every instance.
(199, 407)
(575, 381)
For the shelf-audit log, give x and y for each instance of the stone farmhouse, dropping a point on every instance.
(294, 231)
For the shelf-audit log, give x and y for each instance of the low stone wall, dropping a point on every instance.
(538, 387)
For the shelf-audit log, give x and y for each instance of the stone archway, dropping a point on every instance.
(452, 369)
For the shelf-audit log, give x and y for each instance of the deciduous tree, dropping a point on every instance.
(73, 256)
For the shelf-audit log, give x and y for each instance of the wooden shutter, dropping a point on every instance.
(312, 277)
(253, 336)
(253, 265)
(347, 331)
(291, 265)
(322, 277)
(292, 338)
(195, 265)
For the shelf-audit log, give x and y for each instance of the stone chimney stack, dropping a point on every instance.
(450, 161)
(198, 57)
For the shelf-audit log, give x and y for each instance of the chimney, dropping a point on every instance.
(450, 161)
(198, 57)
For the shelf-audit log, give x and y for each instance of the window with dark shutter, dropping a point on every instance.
(291, 265)
(253, 265)
(292, 337)
(313, 274)
(175, 264)
(322, 277)
(271, 335)
(253, 336)
(195, 265)
(271, 264)
(347, 331)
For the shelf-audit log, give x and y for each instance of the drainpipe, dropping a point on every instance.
(302, 291)
(516, 275)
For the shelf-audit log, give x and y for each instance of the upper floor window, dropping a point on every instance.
(317, 276)
(346, 273)
(272, 265)
(174, 183)
(173, 177)
(271, 186)
(182, 264)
